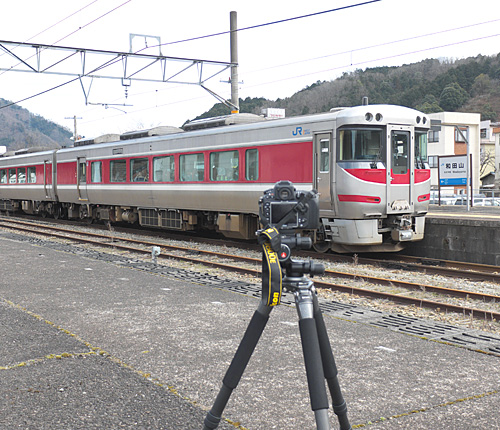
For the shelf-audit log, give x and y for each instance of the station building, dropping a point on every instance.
(446, 139)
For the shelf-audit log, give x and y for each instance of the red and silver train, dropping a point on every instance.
(367, 162)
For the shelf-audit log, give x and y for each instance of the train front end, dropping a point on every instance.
(382, 180)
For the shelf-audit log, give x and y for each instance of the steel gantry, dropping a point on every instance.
(92, 63)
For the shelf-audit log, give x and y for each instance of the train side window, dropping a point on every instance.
(21, 175)
(164, 169)
(3, 176)
(12, 176)
(139, 170)
(420, 149)
(32, 175)
(324, 157)
(118, 170)
(224, 166)
(252, 164)
(96, 171)
(191, 167)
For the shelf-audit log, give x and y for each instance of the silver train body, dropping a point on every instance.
(367, 162)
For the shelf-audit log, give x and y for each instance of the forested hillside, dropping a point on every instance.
(21, 129)
(469, 85)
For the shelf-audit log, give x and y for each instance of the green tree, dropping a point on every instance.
(430, 104)
(453, 97)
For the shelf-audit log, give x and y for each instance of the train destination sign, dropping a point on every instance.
(453, 170)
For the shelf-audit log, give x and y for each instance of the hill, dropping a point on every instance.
(468, 85)
(21, 129)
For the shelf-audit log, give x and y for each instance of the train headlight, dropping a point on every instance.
(402, 235)
(405, 235)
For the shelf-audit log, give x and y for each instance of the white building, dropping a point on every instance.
(496, 133)
(488, 157)
(449, 141)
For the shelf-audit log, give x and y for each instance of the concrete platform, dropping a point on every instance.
(452, 233)
(93, 344)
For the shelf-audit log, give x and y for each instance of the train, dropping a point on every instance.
(368, 163)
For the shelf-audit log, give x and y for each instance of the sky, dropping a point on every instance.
(275, 60)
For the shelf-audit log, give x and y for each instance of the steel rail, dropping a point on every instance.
(397, 298)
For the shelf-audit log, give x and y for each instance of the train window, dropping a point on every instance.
(12, 176)
(139, 169)
(361, 144)
(224, 166)
(252, 164)
(3, 176)
(191, 167)
(118, 171)
(96, 171)
(399, 150)
(82, 172)
(164, 169)
(420, 149)
(21, 175)
(32, 175)
(324, 157)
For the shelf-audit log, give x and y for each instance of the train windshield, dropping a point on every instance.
(420, 149)
(361, 144)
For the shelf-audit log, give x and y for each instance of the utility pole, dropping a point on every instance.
(74, 118)
(234, 61)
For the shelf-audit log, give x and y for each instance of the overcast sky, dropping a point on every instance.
(275, 60)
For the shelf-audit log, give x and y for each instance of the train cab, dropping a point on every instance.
(379, 181)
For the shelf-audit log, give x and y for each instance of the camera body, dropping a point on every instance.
(285, 208)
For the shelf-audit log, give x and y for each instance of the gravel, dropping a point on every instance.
(360, 270)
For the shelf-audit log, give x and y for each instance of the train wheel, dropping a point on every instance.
(321, 247)
(58, 212)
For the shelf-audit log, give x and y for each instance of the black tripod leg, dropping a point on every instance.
(312, 358)
(330, 369)
(238, 365)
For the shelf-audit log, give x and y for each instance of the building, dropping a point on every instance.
(496, 134)
(456, 130)
(487, 154)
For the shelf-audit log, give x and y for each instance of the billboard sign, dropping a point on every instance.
(453, 170)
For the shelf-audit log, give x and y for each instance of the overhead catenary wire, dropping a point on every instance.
(344, 66)
(306, 74)
(75, 31)
(109, 63)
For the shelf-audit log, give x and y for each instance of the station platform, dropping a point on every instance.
(453, 233)
(92, 341)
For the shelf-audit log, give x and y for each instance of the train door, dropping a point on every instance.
(81, 178)
(47, 179)
(323, 167)
(400, 173)
(50, 177)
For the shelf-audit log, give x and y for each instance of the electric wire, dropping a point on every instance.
(52, 26)
(73, 32)
(351, 64)
(364, 48)
(196, 38)
(252, 27)
(281, 21)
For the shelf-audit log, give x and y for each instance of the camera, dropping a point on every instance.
(285, 208)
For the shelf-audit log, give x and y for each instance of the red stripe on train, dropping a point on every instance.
(378, 176)
(358, 198)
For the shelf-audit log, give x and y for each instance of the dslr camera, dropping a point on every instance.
(286, 209)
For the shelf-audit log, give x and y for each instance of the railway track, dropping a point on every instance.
(409, 293)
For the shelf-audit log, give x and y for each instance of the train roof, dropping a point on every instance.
(363, 115)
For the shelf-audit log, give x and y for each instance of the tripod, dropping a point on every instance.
(318, 356)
